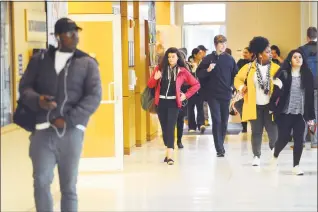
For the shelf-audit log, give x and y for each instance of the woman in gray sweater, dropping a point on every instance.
(292, 102)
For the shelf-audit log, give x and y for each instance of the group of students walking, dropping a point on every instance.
(277, 98)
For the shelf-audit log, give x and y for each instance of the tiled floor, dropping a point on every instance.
(199, 181)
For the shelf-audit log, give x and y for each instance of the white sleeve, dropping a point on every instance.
(278, 83)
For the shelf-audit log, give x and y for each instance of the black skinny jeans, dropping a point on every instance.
(168, 111)
(287, 123)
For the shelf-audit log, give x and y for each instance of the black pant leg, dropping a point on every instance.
(298, 135)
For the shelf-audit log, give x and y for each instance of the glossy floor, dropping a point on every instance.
(199, 181)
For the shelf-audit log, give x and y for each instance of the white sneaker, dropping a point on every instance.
(273, 163)
(297, 171)
(256, 161)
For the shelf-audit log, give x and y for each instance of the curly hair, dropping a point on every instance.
(258, 45)
(165, 63)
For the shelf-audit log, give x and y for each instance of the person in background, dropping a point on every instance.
(183, 111)
(205, 103)
(216, 73)
(196, 100)
(63, 88)
(248, 57)
(229, 51)
(276, 58)
(160, 52)
(203, 49)
(257, 94)
(292, 103)
(310, 54)
(167, 79)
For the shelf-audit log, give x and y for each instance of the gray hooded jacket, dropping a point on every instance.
(76, 90)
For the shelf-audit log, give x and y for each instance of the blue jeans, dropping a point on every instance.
(48, 150)
(220, 116)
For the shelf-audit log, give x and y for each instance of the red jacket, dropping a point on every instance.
(183, 76)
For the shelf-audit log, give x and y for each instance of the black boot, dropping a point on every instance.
(179, 144)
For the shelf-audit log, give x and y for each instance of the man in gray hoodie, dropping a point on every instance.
(63, 88)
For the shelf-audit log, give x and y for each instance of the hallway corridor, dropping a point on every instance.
(199, 181)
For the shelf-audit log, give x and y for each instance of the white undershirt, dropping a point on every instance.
(61, 59)
(261, 98)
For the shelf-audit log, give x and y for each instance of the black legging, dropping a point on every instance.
(286, 123)
(168, 113)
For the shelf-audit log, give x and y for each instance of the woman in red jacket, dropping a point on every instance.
(167, 79)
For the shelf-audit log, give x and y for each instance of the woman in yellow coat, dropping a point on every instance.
(256, 83)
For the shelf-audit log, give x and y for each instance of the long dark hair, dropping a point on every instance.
(287, 65)
(165, 63)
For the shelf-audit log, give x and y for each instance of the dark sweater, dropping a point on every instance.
(217, 83)
(310, 51)
(280, 97)
(242, 62)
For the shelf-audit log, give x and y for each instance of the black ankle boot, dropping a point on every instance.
(179, 144)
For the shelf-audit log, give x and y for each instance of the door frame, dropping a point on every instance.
(109, 163)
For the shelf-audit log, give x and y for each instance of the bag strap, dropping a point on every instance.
(248, 71)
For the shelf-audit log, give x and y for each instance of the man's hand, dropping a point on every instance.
(47, 103)
(311, 123)
(59, 123)
(211, 67)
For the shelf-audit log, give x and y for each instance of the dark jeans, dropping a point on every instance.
(48, 150)
(168, 114)
(195, 101)
(264, 119)
(220, 116)
(180, 123)
(287, 123)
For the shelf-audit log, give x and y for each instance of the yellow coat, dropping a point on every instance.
(249, 106)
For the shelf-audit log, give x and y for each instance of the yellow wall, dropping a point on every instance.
(90, 7)
(171, 35)
(162, 13)
(265, 19)
(16, 166)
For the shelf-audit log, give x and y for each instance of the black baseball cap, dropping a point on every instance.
(65, 25)
(201, 47)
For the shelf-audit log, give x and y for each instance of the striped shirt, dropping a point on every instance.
(296, 97)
